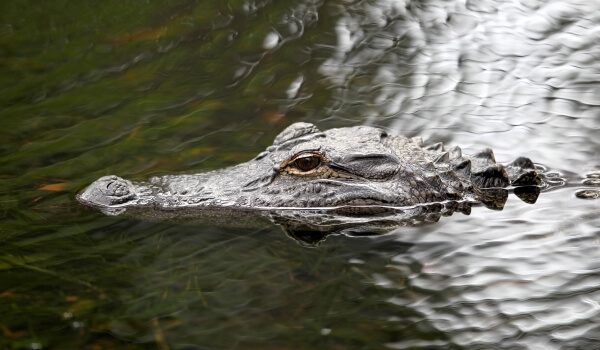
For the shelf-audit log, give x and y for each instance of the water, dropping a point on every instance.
(138, 89)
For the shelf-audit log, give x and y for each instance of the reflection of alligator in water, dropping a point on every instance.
(356, 170)
(310, 226)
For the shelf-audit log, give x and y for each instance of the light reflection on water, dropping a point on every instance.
(521, 78)
(525, 281)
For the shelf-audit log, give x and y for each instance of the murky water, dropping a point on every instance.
(138, 89)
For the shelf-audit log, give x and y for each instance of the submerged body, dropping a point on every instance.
(359, 167)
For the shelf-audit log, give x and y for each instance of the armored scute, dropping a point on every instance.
(361, 167)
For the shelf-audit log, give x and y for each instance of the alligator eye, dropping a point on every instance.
(307, 163)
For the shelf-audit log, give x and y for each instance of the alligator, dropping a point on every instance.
(357, 169)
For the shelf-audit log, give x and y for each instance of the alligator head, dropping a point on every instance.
(356, 167)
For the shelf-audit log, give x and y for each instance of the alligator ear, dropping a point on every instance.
(295, 130)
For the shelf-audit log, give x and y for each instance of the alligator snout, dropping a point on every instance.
(108, 191)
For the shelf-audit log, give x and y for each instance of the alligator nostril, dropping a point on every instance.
(108, 191)
(117, 188)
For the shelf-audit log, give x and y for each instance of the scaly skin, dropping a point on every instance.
(359, 167)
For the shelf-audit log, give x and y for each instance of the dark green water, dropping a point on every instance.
(92, 88)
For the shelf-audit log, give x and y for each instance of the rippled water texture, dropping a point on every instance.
(141, 89)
